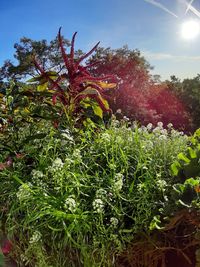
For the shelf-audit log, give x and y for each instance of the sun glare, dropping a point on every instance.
(190, 29)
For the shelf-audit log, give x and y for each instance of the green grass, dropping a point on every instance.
(78, 198)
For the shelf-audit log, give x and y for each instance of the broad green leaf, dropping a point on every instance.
(97, 111)
(181, 156)
(192, 182)
(192, 153)
(175, 167)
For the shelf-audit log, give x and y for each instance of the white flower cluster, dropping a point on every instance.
(118, 182)
(67, 136)
(37, 174)
(57, 165)
(105, 137)
(70, 204)
(24, 191)
(98, 205)
(36, 237)
(114, 222)
(161, 184)
(101, 193)
(77, 155)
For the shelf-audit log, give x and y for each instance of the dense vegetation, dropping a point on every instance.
(83, 187)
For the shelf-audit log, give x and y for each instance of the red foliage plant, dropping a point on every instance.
(76, 84)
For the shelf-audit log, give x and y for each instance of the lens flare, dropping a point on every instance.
(190, 29)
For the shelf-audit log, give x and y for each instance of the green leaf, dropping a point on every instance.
(175, 167)
(192, 182)
(181, 156)
(34, 79)
(192, 153)
(97, 111)
(42, 87)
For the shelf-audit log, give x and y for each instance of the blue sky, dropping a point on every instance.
(115, 23)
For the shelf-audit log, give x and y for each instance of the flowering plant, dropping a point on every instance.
(75, 88)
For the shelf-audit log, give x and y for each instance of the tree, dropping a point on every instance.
(188, 91)
(49, 54)
(132, 71)
(169, 108)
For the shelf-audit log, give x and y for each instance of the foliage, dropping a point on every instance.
(133, 73)
(138, 96)
(187, 170)
(77, 200)
(24, 50)
(75, 87)
(168, 108)
(78, 196)
(188, 92)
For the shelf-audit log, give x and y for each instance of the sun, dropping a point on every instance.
(190, 29)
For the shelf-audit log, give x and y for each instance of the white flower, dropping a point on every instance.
(105, 137)
(119, 111)
(140, 187)
(169, 125)
(98, 205)
(125, 118)
(161, 184)
(68, 137)
(24, 191)
(162, 137)
(37, 174)
(36, 237)
(119, 139)
(101, 193)
(77, 155)
(57, 164)
(70, 204)
(149, 126)
(118, 182)
(160, 124)
(114, 221)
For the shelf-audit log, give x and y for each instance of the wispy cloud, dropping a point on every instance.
(159, 5)
(165, 56)
(195, 11)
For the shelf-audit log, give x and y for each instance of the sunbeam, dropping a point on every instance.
(159, 5)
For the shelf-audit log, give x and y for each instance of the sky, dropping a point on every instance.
(136, 23)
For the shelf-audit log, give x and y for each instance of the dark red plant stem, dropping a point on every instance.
(64, 55)
(72, 48)
(86, 55)
(42, 71)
